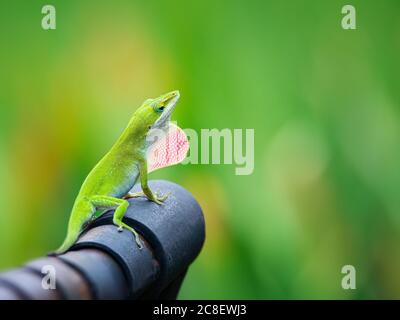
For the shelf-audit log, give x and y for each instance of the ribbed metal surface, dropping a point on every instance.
(107, 264)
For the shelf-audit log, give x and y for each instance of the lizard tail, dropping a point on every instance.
(68, 242)
(75, 228)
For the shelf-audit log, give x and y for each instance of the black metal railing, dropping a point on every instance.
(107, 264)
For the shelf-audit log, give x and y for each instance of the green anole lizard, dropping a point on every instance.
(149, 142)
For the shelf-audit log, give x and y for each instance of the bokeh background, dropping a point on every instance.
(323, 101)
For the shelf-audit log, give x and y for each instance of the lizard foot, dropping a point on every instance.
(122, 226)
(134, 195)
(159, 198)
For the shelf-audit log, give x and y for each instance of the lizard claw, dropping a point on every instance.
(159, 199)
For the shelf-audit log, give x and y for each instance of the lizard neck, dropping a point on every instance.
(133, 137)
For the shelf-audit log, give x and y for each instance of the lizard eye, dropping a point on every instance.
(161, 109)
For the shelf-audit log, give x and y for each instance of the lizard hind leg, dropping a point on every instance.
(120, 206)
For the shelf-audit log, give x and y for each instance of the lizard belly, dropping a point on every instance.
(126, 182)
(113, 182)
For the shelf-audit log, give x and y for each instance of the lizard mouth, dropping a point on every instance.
(169, 101)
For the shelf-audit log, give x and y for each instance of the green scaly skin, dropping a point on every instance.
(108, 184)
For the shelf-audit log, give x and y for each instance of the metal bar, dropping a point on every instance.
(107, 264)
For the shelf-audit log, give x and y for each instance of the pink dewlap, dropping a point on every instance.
(171, 148)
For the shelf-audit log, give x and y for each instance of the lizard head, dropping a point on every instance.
(156, 113)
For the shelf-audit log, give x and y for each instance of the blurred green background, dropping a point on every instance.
(324, 103)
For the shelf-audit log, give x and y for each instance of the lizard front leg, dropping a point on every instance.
(120, 206)
(139, 194)
(130, 195)
(146, 190)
